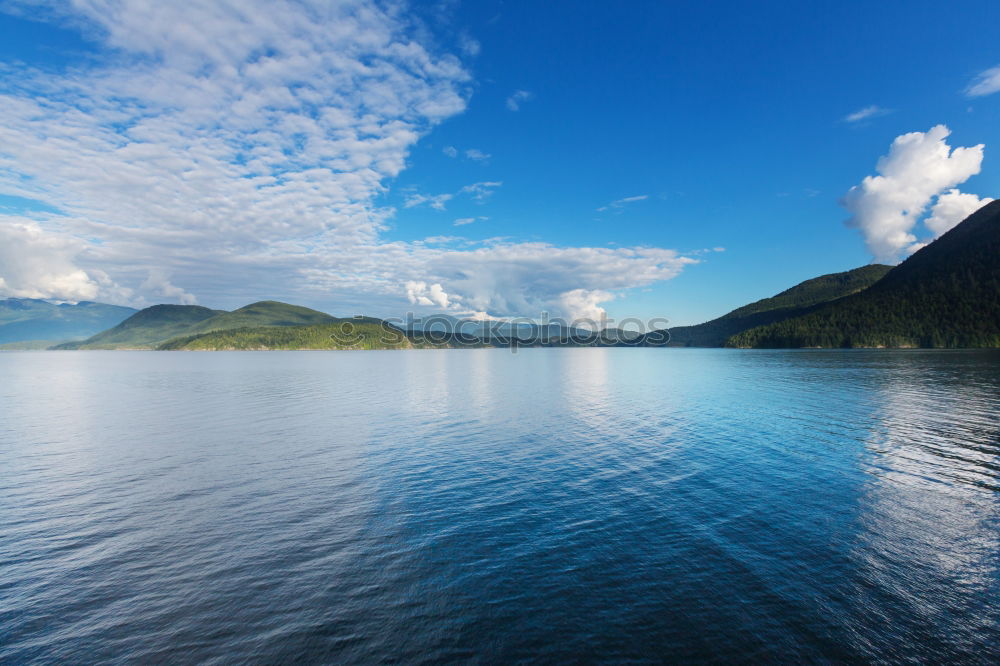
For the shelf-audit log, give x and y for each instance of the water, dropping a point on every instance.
(551, 505)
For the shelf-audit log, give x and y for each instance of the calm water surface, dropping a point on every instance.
(550, 505)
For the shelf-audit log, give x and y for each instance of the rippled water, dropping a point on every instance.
(552, 505)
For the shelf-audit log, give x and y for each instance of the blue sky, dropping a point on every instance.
(595, 155)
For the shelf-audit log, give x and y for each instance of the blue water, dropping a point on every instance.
(559, 505)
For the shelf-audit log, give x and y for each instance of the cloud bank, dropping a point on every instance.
(213, 150)
(919, 167)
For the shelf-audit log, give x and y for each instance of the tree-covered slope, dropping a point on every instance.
(147, 328)
(945, 295)
(339, 334)
(793, 302)
(24, 319)
(262, 313)
(153, 326)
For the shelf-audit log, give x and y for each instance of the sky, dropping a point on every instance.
(486, 159)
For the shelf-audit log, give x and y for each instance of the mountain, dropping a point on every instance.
(357, 333)
(149, 328)
(369, 333)
(800, 299)
(947, 294)
(262, 313)
(32, 319)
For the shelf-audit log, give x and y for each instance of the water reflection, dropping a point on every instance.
(550, 505)
(929, 514)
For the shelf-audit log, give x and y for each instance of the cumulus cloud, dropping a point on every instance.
(951, 208)
(866, 113)
(39, 264)
(517, 98)
(419, 293)
(986, 83)
(209, 149)
(918, 167)
(450, 151)
(585, 304)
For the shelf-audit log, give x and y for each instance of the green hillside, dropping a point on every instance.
(800, 299)
(153, 326)
(340, 334)
(945, 295)
(262, 313)
(32, 319)
(147, 328)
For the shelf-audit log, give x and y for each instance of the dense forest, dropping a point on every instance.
(342, 334)
(800, 299)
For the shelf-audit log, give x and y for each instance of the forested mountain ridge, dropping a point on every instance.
(153, 326)
(793, 302)
(946, 295)
(146, 328)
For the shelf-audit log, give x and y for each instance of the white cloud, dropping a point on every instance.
(39, 264)
(436, 201)
(481, 191)
(585, 304)
(462, 221)
(469, 46)
(517, 98)
(526, 279)
(223, 137)
(419, 293)
(919, 166)
(621, 203)
(472, 153)
(216, 150)
(951, 208)
(158, 284)
(986, 83)
(872, 111)
(477, 155)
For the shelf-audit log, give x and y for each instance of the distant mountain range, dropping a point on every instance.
(23, 320)
(945, 295)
